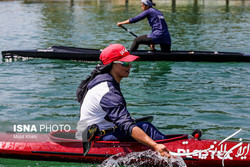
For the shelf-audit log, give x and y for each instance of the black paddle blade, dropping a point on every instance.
(92, 131)
(86, 147)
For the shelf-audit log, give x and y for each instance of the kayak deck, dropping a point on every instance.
(59, 146)
(85, 54)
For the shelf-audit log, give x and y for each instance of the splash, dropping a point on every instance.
(144, 158)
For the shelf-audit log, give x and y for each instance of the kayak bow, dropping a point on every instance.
(62, 146)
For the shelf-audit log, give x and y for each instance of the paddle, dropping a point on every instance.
(132, 33)
(128, 31)
(93, 130)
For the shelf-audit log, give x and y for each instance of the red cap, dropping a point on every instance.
(116, 52)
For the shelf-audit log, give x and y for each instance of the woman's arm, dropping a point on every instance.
(139, 135)
(123, 22)
(135, 19)
(114, 105)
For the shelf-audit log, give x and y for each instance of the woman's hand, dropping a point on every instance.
(139, 135)
(123, 22)
(119, 24)
(152, 47)
(163, 150)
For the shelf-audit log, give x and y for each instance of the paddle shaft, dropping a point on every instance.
(131, 32)
(128, 31)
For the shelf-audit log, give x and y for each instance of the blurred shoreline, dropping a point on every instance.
(124, 2)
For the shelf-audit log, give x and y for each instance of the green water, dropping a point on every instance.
(182, 96)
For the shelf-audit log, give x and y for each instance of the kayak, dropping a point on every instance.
(62, 146)
(85, 54)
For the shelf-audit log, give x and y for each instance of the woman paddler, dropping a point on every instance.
(159, 35)
(102, 102)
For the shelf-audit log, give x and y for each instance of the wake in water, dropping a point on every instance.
(144, 158)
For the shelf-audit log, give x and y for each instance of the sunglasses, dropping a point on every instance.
(124, 64)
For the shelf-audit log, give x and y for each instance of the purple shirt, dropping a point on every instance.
(160, 33)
